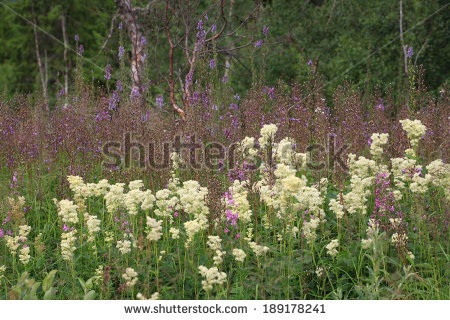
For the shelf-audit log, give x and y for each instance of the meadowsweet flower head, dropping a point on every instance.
(131, 277)
(415, 130)
(212, 277)
(239, 255)
(378, 141)
(337, 208)
(24, 254)
(332, 247)
(154, 232)
(267, 133)
(258, 250)
(67, 211)
(68, 244)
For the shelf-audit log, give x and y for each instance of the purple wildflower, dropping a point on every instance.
(200, 25)
(258, 44)
(119, 86)
(380, 106)
(80, 49)
(67, 228)
(265, 30)
(121, 51)
(77, 37)
(160, 101)
(213, 28)
(108, 70)
(134, 92)
(409, 52)
(114, 101)
(225, 79)
(212, 63)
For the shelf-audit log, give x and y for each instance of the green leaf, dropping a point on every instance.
(91, 295)
(50, 294)
(48, 281)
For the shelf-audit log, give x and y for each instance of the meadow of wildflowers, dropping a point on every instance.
(276, 231)
(203, 184)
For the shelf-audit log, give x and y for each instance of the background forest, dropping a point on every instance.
(354, 40)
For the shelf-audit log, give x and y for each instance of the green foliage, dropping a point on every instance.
(27, 288)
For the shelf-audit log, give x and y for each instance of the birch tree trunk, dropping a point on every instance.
(137, 44)
(39, 61)
(66, 63)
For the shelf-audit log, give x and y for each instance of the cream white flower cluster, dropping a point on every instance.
(337, 208)
(2, 272)
(403, 170)
(239, 201)
(154, 296)
(258, 250)
(362, 171)
(362, 166)
(131, 277)
(239, 255)
(18, 244)
(212, 277)
(414, 130)
(98, 275)
(287, 185)
(114, 198)
(68, 244)
(247, 148)
(215, 244)
(438, 174)
(372, 235)
(124, 246)
(378, 141)
(356, 200)
(67, 211)
(154, 232)
(192, 201)
(175, 233)
(166, 202)
(85, 190)
(24, 254)
(309, 229)
(132, 201)
(284, 151)
(176, 159)
(332, 247)
(93, 225)
(268, 132)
